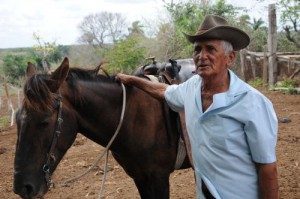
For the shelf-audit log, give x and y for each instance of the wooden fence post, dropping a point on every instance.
(10, 105)
(253, 66)
(272, 45)
(265, 66)
(243, 63)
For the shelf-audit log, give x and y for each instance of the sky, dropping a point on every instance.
(58, 20)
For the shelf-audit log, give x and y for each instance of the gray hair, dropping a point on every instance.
(227, 47)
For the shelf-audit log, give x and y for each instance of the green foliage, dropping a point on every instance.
(290, 10)
(284, 45)
(1, 69)
(4, 121)
(290, 14)
(124, 56)
(259, 39)
(257, 82)
(186, 17)
(257, 23)
(221, 8)
(136, 30)
(292, 91)
(14, 67)
(15, 61)
(47, 52)
(289, 83)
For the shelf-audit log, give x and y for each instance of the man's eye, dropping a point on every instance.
(210, 48)
(197, 50)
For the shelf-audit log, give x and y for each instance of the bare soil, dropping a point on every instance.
(118, 185)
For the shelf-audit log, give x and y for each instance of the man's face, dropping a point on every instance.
(210, 58)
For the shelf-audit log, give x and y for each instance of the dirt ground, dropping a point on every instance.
(118, 185)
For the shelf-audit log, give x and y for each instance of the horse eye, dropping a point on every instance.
(44, 123)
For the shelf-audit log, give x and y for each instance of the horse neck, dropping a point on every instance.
(98, 110)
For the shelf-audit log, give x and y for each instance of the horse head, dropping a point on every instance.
(42, 139)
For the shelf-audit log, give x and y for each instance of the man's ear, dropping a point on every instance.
(230, 58)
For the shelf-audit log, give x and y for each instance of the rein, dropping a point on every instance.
(46, 167)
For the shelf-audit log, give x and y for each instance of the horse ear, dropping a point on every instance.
(31, 70)
(58, 76)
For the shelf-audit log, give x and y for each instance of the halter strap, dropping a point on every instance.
(46, 167)
(50, 155)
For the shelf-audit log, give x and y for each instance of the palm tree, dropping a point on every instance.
(257, 23)
(135, 29)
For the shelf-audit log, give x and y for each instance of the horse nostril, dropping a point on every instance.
(28, 190)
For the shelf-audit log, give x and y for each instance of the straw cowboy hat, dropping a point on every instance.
(215, 27)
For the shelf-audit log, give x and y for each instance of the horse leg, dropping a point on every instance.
(153, 187)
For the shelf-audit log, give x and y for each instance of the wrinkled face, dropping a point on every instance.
(35, 135)
(210, 58)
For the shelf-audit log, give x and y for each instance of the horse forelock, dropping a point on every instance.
(37, 95)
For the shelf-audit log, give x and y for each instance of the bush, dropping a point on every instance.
(257, 82)
(289, 83)
(4, 122)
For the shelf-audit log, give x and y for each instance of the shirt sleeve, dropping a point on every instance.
(175, 95)
(261, 130)
(174, 98)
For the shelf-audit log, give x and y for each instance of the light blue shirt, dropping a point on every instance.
(238, 129)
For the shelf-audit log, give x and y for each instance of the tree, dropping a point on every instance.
(136, 30)
(257, 23)
(186, 17)
(290, 19)
(46, 52)
(101, 28)
(14, 67)
(221, 8)
(125, 56)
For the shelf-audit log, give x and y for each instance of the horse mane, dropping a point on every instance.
(38, 96)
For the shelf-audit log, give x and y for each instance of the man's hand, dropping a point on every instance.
(124, 78)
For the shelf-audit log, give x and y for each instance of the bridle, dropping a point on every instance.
(57, 132)
(50, 155)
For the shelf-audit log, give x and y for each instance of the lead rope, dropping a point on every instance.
(106, 150)
(112, 139)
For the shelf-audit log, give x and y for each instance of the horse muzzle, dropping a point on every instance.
(28, 188)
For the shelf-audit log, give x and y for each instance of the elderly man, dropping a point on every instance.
(232, 127)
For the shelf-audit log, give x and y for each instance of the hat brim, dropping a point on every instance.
(238, 38)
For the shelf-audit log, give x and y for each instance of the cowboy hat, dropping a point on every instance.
(215, 27)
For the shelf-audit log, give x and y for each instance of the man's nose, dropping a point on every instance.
(203, 54)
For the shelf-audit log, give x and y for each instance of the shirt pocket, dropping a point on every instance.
(227, 134)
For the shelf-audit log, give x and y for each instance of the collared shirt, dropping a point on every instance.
(238, 129)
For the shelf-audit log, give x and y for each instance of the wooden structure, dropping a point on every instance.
(270, 57)
(10, 105)
(291, 60)
(272, 45)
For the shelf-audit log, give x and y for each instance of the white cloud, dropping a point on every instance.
(58, 19)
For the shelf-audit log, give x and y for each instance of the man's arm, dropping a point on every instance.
(155, 89)
(268, 181)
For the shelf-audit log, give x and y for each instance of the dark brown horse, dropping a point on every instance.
(70, 100)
